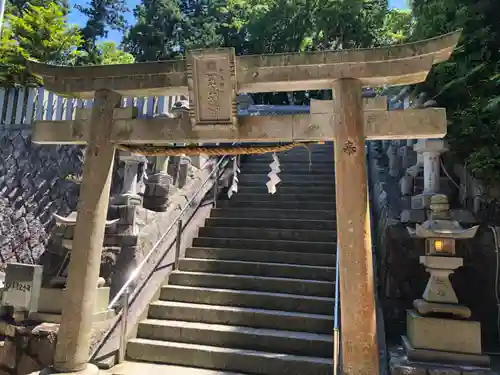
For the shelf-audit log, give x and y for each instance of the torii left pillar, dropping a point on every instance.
(74, 338)
(358, 313)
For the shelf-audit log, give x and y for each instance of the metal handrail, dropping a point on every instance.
(136, 272)
(336, 324)
(124, 292)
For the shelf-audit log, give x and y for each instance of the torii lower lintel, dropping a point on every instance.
(378, 125)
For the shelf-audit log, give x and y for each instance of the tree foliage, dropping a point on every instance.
(39, 33)
(102, 15)
(468, 85)
(111, 54)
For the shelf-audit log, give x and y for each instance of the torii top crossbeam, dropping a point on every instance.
(213, 77)
(392, 65)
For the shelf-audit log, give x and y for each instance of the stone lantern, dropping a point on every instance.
(438, 328)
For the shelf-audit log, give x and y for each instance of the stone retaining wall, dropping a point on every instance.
(33, 186)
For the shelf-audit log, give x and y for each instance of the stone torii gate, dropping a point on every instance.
(212, 79)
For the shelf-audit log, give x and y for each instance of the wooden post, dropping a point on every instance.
(73, 343)
(360, 354)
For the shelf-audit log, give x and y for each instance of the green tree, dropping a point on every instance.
(468, 85)
(101, 16)
(17, 7)
(158, 32)
(111, 54)
(40, 33)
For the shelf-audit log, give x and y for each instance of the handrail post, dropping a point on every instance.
(123, 330)
(178, 245)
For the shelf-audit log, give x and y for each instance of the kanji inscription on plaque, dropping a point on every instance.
(212, 87)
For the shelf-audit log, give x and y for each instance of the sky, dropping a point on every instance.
(76, 18)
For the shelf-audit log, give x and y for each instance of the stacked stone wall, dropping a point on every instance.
(34, 184)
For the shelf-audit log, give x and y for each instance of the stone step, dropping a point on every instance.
(293, 246)
(322, 168)
(270, 224)
(269, 234)
(277, 204)
(307, 259)
(233, 267)
(303, 171)
(298, 181)
(241, 316)
(315, 158)
(266, 213)
(135, 368)
(217, 358)
(248, 298)
(286, 177)
(264, 197)
(284, 189)
(255, 283)
(237, 337)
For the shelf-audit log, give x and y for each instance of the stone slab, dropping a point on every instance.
(413, 216)
(52, 299)
(444, 263)
(425, 307)
(438, 334)
(439, 356)
(399, 364)
(98, 317)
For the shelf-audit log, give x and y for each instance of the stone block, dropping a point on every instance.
(183, 172)
(421, 201)
(430, 145)
(459, 336)
(22, 286)
(413, 216)
(52, 299)
(460, 360)
(161, 179)
(406, 185)
(161, 190)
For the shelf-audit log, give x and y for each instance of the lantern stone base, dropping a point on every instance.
(425, 308)
(400, 364)
(89, 370)
(438, 339)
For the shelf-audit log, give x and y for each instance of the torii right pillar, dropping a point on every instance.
(358, 318)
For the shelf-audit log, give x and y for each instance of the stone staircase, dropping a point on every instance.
(254, 294)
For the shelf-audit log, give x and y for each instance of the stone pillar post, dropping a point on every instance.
(129, 194)
(360, 353)
(394, 159)
(161, 164)
(158, 186)
(431, 150)
(74, 337)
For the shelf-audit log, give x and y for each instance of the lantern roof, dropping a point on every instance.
(442, 229)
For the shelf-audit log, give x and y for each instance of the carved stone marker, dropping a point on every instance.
(211, 76)
(22, 286)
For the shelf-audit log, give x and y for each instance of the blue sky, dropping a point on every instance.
(76, 18)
